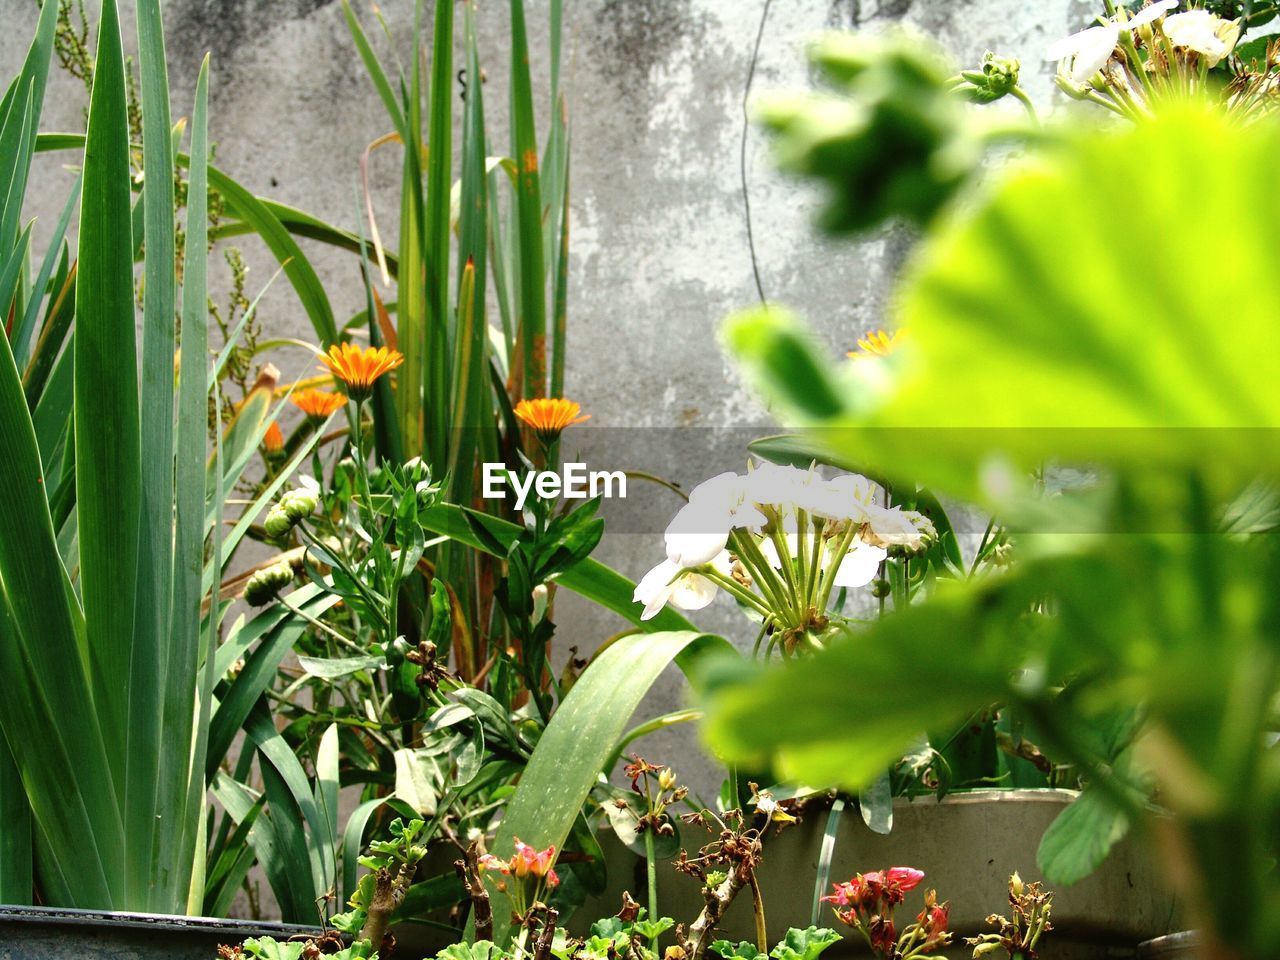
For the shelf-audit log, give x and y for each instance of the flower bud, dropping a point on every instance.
(1016, 886)
(298, 504)
(985, 949)
(667, 778)
(881, 589)
(416, 471)
(266, 584)
(997, 77)
(277, 523)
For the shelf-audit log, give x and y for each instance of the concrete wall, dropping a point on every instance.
(659, 241)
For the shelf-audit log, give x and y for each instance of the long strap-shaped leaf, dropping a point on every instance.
(579, 740)
(149, 825)
(17, 836)
(108, 472)
(48, 709)
(183, 780)
(533, 302)
(19, 121)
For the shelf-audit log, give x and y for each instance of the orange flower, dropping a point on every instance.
(317, 404)
(877, 343)
(359, 369)
(549, 416)
(273, 440)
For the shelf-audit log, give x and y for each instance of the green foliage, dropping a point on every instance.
(887, 139)
(401, 850)
(266, 948)
(579, 739)
(807, 944)
(478, 950)
(111, 550)
(1036, 339)
(615, 937)
(742, 950)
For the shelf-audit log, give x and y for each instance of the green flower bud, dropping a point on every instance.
(416, 472)
(880, 589)
(266, 584)
(277, 524)
(298, 504)
(996, 79)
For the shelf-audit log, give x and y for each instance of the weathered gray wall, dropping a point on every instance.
(659, 243)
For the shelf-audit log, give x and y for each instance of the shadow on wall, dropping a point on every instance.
(639, 35)
(223, 26)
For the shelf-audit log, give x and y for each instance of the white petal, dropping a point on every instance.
(693, 592)
(694, 549)
(893, 526)
(774, 484)
(697, 533)
(1067, 46)
(655, 588)
(771, 552)
(747, 517)
(1148, 14)
(860, 565)
(845, 496)
(1097, 44)
(724, 490)
(1197, 30)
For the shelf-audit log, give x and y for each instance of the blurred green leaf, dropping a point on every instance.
(1112, 358)
(1080, 838)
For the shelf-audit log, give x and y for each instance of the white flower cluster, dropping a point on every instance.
(1196, 32)
(820, 533)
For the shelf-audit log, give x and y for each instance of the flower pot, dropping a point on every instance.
(45, 933)
(968, 844)
(1176, 946)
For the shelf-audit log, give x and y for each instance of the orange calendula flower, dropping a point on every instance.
(549, 416)
(877, 343)
(317, 404)
(273, 440)
(360, 369)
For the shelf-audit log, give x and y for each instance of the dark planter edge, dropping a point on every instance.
(72, 917)
(1171, 945)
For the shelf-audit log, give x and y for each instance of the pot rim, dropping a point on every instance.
(1056, 795)
(71, 916)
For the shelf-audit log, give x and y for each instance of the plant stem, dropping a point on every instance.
(757, 903)
(651, 870)
(735, 588)
(750, 556)
(1025, 100)
(829, 575)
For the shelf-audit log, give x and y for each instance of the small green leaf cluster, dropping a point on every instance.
(806, 944)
